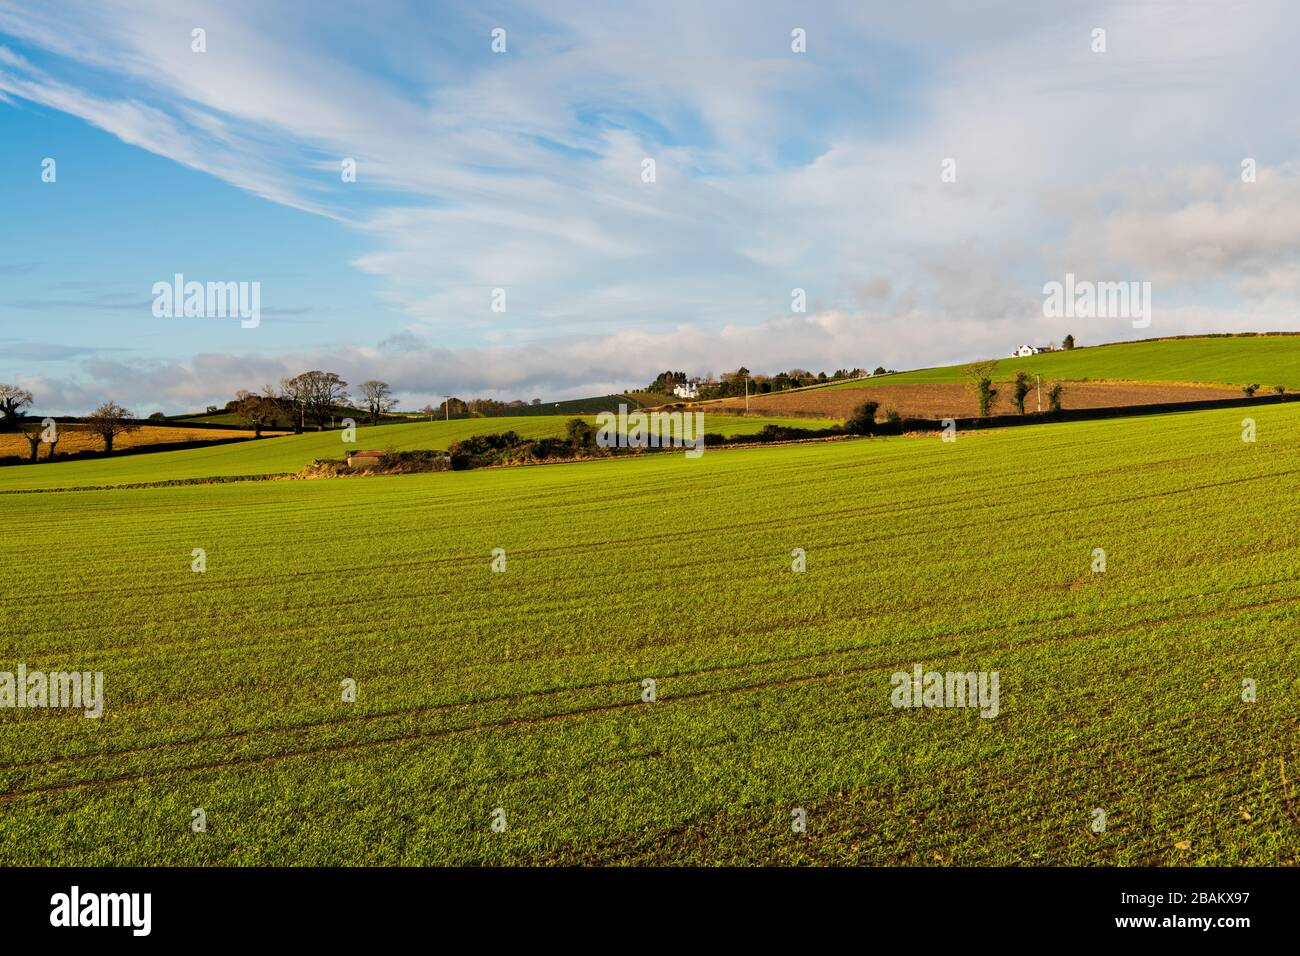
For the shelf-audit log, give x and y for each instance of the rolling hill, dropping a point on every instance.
(1157, 372)
(1265, 360)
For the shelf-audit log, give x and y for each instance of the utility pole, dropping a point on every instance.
(746, 393)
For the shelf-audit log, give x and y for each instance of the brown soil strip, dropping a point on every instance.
(956, 401)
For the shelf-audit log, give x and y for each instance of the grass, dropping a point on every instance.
(522, 690)
(291, 453)
(1238, 360)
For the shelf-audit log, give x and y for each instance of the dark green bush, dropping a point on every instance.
(863, 419)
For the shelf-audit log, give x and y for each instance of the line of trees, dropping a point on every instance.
(107, 421)
(979, 377)
(317, 396)
(731, 384)
(314, 396)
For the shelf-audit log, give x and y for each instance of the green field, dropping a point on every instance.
(291, 453)
(521, 690)
(1239, 360)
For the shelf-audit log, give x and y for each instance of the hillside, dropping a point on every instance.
(586, 406)
(1215, 360)
(1164, 372)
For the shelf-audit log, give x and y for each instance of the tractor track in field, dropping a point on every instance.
(352, 746)
(511, 722)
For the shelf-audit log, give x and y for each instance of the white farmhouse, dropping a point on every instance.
(687, 390)
(1025, 350)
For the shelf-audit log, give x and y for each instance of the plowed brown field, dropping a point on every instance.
(957, 401)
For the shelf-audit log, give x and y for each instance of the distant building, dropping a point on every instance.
(687, 390)
(1026, 350)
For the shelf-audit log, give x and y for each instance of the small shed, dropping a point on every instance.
(364, 459)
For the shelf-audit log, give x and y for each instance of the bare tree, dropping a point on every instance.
(378, 398)
(34, 433)
(46, 431)
(280, 405)
(255, 410)
(108, 421)
(12, 402)
(318, 393)
(293, 395)
(429, 410)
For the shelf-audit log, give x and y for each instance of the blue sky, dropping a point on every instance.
(521, 170)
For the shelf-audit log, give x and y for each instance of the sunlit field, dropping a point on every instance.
(648, 678)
